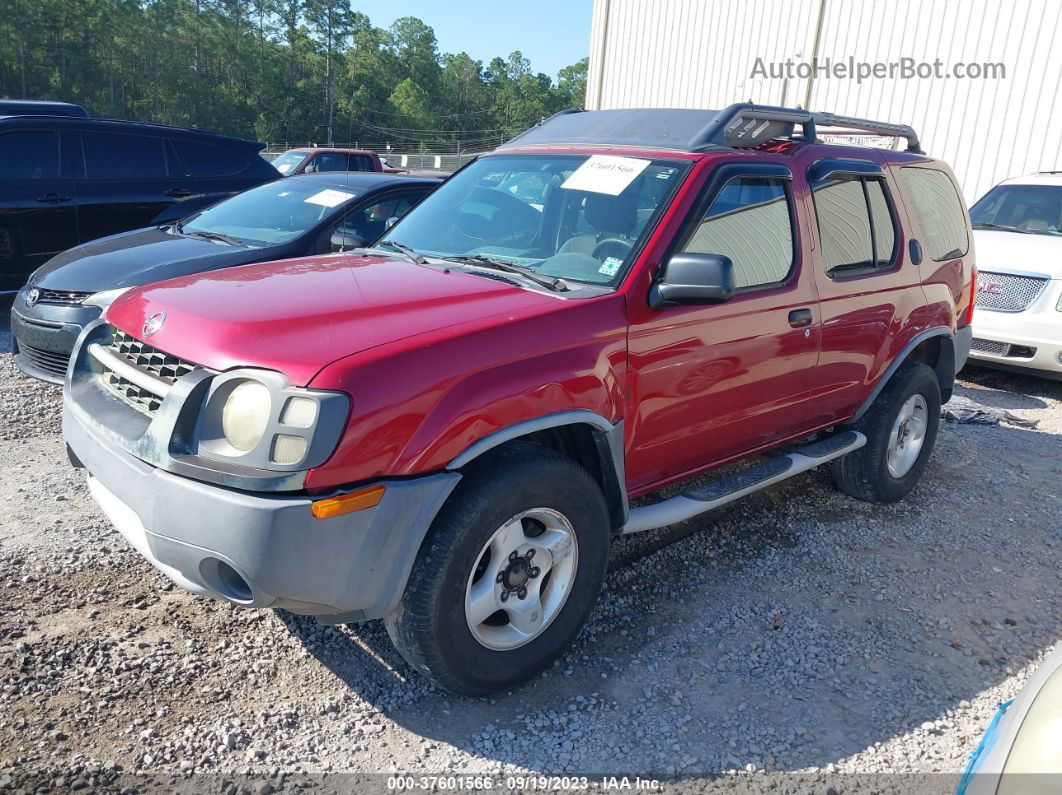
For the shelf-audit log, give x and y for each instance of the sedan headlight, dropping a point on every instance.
(256, 418)
(103, 299)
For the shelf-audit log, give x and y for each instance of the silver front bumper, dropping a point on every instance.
(353, 566)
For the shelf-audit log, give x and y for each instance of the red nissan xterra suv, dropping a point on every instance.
(446, 431)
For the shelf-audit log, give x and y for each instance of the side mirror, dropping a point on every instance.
(344, 241)
(310, 169)
(390, 222)
(693, 279)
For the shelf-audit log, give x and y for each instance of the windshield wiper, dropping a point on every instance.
(401, 248)
(550, 283)
(208, 235)
(985, 225)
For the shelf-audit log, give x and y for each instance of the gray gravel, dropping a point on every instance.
(801, 631)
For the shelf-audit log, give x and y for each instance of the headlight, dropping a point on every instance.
(245, 415)
(1058, 306)
(256, 418)
(103, 299)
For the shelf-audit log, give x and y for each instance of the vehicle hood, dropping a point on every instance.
(1004, 252)
(139, 257)
(299, 315)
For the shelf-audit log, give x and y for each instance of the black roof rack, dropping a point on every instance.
(740, 126)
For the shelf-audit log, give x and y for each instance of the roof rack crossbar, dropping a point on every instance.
(866, 125)
(744, 125)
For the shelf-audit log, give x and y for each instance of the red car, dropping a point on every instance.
(447, 431)
(311, 160)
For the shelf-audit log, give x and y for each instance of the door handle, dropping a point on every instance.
(800, 318)
(177, 193)
(52, 198)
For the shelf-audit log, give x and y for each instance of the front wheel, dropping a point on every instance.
(508, 574)
(901, 428)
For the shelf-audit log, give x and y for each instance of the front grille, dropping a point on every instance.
(51, 362)
(143, 357)
(140, 399)
(60, 296)
(990, 346)
(1007, 292)
(151, 360)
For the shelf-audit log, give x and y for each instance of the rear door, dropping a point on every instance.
(37, 212)
(204, 168)
(718, 381)
(126, 182)
(870, 293)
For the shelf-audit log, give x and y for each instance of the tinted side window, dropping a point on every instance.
(856, 227)
(750, 222)
(360, 163)
(939, 211)
(206, 160)
(121, 156)
(29, 154)
(370, 222)
(882, 222)
(330, 161)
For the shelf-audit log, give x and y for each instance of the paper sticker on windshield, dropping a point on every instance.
(611, 266)
(605, 174)
(284, 168)
(329, 197)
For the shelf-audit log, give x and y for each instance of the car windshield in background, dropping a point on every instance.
(1032, 209)
(289, 161)
(272, 213)
(576, 217)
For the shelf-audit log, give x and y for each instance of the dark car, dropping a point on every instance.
(40, 107)
(66, 180)
(309, 214)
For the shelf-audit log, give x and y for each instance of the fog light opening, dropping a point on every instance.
(228, 582)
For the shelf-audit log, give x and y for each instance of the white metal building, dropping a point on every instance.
(703, 54)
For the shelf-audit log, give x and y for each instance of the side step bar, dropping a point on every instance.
(720, 492)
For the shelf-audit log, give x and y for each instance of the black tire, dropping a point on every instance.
(429, 627)
(864, 473)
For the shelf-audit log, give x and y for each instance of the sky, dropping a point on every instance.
(550, 33)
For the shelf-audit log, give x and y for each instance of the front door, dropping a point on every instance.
(37, 216)
(715, 382)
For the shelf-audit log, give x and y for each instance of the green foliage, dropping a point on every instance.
(275, 70)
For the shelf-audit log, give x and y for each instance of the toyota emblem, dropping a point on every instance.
(33, 296)
(154, 323)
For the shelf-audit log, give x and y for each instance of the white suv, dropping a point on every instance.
(1018, 236)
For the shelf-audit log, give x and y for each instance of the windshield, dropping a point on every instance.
(575, 217)
(289, 161)
(272, 213)
(1033, 209)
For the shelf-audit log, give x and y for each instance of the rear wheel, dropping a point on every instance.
(901, 428)
(508, 574)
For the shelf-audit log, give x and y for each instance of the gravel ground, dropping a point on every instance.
(801, 632)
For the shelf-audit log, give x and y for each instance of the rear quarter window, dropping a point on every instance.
(207, 160)
(939, 210)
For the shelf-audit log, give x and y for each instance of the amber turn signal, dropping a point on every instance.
(348, 503)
